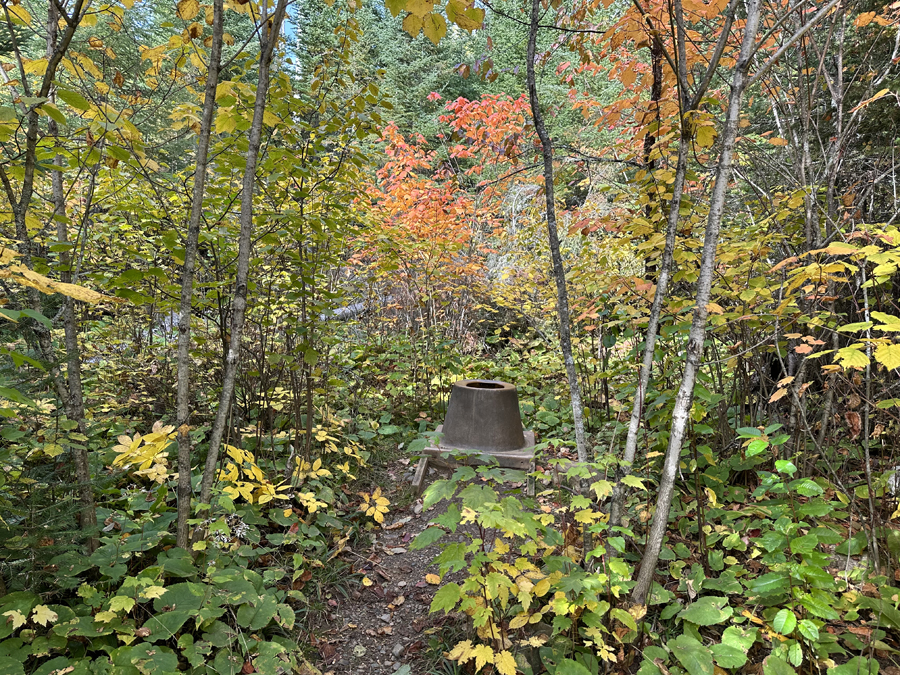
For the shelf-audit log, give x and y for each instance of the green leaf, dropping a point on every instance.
(437, 491)
(696, 659)
(707, 611)
(74, 99)
(854, 545)
(805, 544)
(820, 604)
(11, 666)
(54, 113)
(784, 622)
(426, 538)
(858, 665)
(809, 630)
(772, 583)
(728, 656)
(570, 667)
(756, 447)
(776, 666)
(37, 316)
(446, 598)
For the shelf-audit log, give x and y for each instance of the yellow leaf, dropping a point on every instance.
(121, 603)
(864, 19)
(888, 356)
(518, 621)
(7, 255)
(15, 617)
(433, 579)
(706, 136)
(44, 615)
(777, 395)
(778, 141)
(35, 66)
(541, 587)
(153, 592)
(483, 656)
(419, 7)
(27, 277)
(839, 248)
(19, 14)
(412, 24)
(104, 617)
(505, 663)
(461, 652)
(366, 581)
(187, 9)
(434, 27)
(52, 450)
(883, 92)
(270, 119)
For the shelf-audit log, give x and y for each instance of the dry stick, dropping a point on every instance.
(271, 27)
(665, 272)
(681, 413)
(873, 538)
(183, 401)
(559, 272)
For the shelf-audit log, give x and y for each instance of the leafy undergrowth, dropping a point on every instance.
(759, 577)
(263, 557)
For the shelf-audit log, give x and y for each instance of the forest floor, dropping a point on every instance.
(385, 627)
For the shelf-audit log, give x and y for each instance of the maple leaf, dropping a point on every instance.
(462, 652)
(153, 592)
(505, 663)
(120, 603)
(15, 617)
(44, 615)
(104, 617)
(483, 655)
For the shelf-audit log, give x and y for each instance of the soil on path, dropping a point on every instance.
(385, 627)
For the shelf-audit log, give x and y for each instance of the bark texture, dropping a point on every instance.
(270, 27)
(183, 400)
(681, 413)
(559, 272)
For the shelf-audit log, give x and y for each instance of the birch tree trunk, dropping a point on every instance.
(697, 334)
(686, 104)
(559, 272)
(270, 27)
(183, 401)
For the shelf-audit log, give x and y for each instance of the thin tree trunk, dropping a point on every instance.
(559, 272)
(662, 284)
(74, 400)
(665, 271)
(269, 30)
(183, 401)
(681, 413)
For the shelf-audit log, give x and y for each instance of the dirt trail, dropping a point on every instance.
(384, 628)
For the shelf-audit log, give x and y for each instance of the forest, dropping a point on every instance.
(247, 247)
